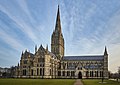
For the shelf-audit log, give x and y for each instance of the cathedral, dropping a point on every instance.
(54, 64)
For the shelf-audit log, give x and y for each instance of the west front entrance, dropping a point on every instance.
(79, 75)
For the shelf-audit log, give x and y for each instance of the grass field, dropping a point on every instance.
(54, 82)
(37, 81)
(96, 82)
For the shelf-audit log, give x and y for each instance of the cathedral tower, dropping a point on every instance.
(57, 40)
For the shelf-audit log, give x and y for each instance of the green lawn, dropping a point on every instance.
(37, 81)
(54, 82)
(96, 82)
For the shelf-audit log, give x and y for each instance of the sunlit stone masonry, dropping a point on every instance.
(54, 64)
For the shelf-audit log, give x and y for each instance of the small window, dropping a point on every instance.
(59, 73)
(24, 72)
(63, 73)
(72, 73)
(68, 73)
(43, 71)
(40, 71)
(41, 59)
(24, 66)
(50, 72)
(37, 71)
(32, 72)
(25, 61)
(38, 59)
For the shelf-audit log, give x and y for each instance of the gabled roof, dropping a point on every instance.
(26, 54)
(83, 58)
(31, 55)
(41, 48)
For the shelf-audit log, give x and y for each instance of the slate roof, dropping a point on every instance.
(83, 58)
(51, 54)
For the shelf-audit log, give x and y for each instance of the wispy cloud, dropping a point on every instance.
(21, 22)
(91, 28)
(87, 26)
(10, 41)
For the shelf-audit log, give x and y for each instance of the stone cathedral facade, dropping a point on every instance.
(54, 64)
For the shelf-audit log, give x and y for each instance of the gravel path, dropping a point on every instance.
(78, 82)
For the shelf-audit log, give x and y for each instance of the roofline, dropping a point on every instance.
(83, 60)
(82, 55)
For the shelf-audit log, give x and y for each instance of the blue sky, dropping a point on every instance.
(87, 26)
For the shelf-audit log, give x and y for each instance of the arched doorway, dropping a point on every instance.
(80, 75)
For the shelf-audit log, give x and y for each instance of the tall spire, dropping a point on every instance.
(57, 40)
(58, 24)
(35, 48)
(105, 52)
(47, 47)
(41, 46)
(18, 64)
(22, 53)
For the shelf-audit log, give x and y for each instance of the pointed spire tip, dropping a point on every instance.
(105, 52)
(58, 24)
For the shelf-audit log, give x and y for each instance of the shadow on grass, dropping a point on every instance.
(97, 82)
